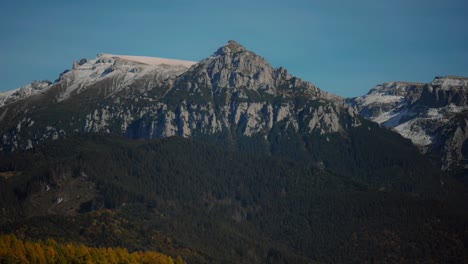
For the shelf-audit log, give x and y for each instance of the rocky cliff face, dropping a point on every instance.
(234, 91)
(433, 115)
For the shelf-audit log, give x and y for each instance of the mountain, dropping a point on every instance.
(433, 115)
(126, 96)
(234, 98)
(227, 160)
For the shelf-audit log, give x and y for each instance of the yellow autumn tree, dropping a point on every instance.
(14, 251)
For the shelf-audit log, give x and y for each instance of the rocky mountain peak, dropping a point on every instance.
(235, 69)
(234, 56)
(231, 47)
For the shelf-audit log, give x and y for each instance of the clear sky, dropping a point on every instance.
(345, 47)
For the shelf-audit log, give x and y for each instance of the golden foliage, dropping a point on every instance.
(14, 250)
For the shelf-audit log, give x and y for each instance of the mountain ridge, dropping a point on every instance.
(247, 84)
(433, 115)
(97, 68)
(234, 98)
(235, 79)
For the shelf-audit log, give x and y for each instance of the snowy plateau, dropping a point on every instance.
(85, 72)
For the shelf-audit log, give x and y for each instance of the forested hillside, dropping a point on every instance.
(183, 197)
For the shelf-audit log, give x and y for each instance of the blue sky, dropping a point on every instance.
(344, 47)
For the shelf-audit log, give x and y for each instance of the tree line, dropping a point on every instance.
(14, 250)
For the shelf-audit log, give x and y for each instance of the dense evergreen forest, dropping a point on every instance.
(208, 205)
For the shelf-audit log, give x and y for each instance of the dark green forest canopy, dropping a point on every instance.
(184, 197)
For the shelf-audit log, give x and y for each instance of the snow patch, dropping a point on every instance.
(384, 117)
(22, 92)
(415, 133)
(151, 60)
(449, 82)
(380, 98)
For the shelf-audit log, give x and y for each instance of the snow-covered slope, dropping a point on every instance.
(151, 60)
(449, 82)
(421, 112)
(122, 69)
(23, 92)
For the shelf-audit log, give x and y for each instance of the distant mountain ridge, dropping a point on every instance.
(86, 72)
(433, 115)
